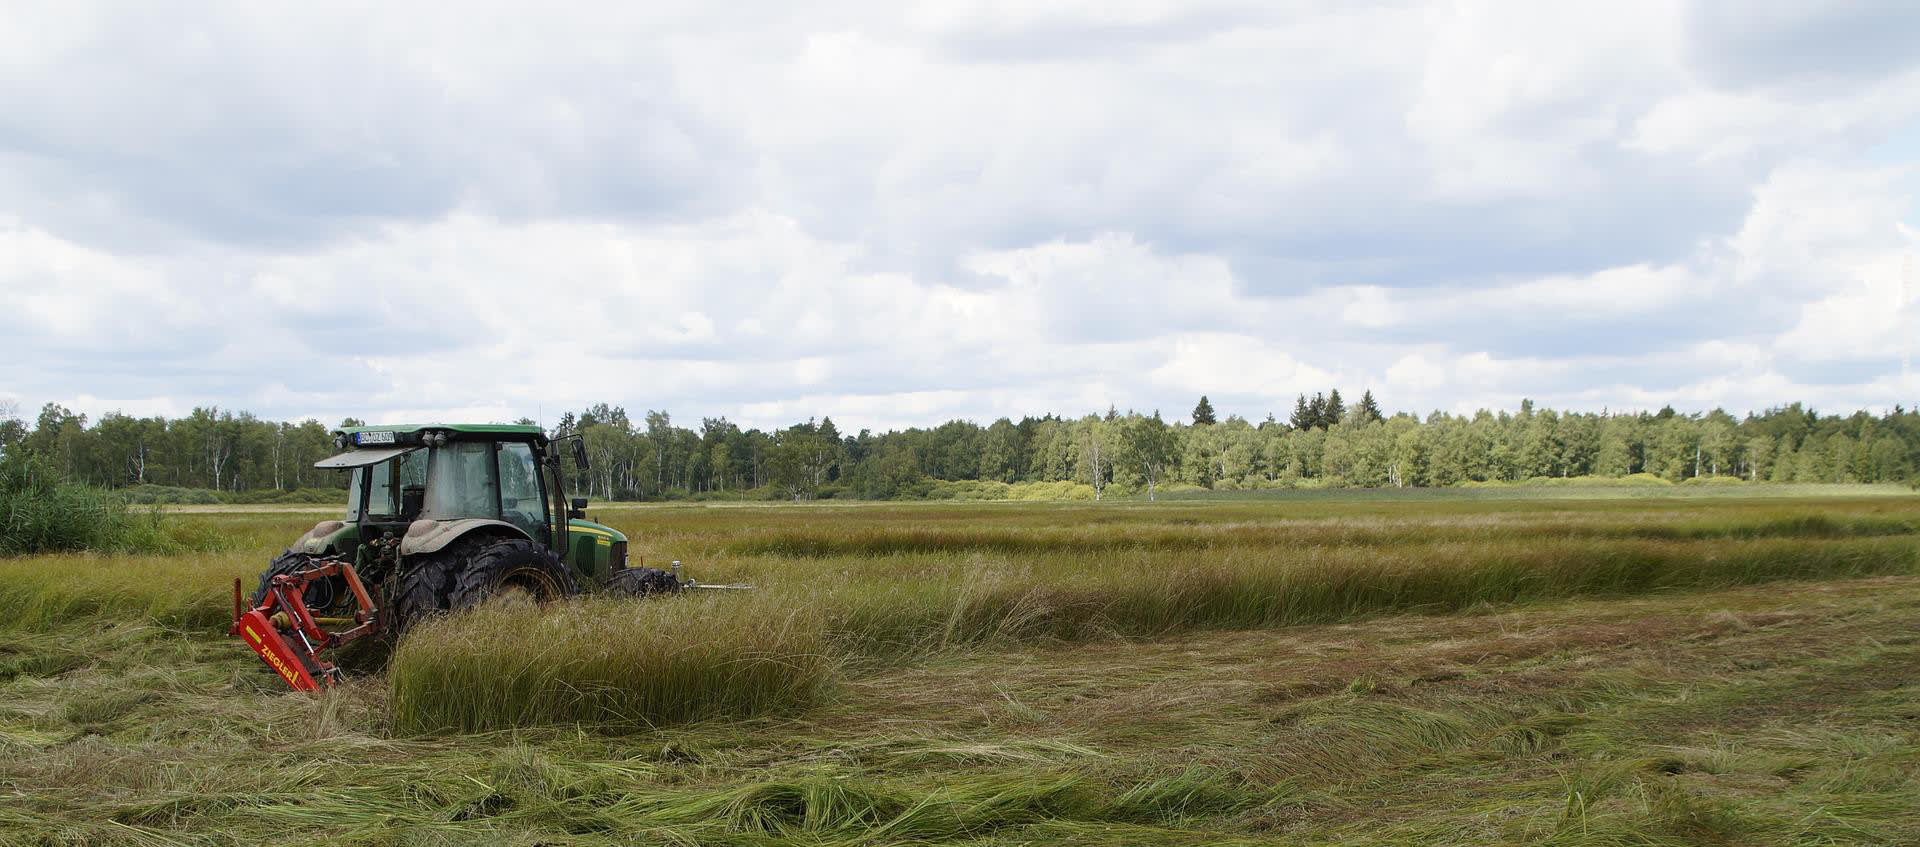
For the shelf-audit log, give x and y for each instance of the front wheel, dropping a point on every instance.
(320, 595)
(509, 569)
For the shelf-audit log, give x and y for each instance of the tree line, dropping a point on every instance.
(1325, 442)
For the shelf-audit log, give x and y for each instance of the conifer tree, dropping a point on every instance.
(1368, 411)
(1334, 411)
(1302, 417)
(1203, 412)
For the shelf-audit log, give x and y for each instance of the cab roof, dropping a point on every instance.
(478, 429)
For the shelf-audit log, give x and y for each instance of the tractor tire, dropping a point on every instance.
(507, 567)
(640, 582)
(421, 590)
(320, 596)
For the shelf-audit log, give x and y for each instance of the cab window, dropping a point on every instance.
(390, 478)
(461, 482)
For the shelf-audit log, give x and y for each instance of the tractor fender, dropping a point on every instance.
(319, 538)
(427, 536)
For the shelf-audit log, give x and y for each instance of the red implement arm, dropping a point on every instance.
(283, 630)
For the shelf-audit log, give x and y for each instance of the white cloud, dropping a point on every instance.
(895, 214)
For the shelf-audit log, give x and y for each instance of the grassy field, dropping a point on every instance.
(1713, 669)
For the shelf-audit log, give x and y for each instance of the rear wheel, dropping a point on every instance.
(510, 569)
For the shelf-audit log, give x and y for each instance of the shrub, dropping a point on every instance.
(968, 489)
(41, 513)
(1060, 490)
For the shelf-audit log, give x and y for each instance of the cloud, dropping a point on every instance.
(892, 214)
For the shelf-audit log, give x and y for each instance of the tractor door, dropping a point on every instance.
(522, 502)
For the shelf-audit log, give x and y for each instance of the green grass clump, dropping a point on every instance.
(609, 662)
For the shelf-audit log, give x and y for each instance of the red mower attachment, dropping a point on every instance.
(286, 634)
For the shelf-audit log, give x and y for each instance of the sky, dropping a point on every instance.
(898, 213)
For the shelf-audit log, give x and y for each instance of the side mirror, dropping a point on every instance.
(577, 507)
(580, 454)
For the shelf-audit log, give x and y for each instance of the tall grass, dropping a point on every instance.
(190, 590)
(43, 592)
(611, 662)
(622, 662)
(830, 541)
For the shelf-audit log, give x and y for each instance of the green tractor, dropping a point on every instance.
(439, 518)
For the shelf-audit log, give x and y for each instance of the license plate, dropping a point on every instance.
(377, 437)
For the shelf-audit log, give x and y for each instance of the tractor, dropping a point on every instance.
(439, 518)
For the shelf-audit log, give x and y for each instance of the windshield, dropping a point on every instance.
(390, 479)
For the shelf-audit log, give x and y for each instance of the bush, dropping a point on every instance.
(173, 495)
(1642, 480)
(1058, 490)
(42, 513)
(968, 489)
(168, 494)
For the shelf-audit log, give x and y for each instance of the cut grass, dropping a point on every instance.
(1128, 674)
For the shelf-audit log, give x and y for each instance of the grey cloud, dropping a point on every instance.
(247, 133)
(1741, 43)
